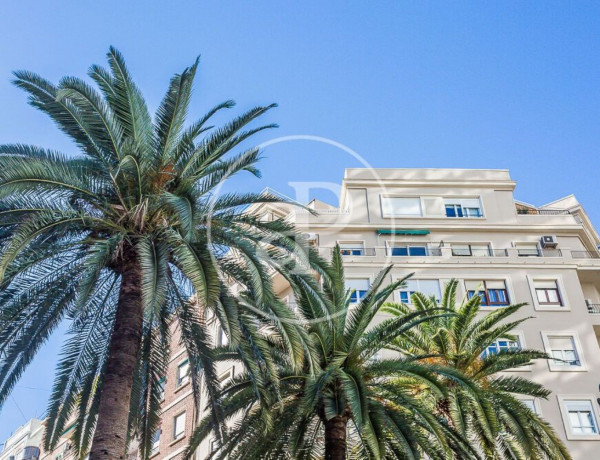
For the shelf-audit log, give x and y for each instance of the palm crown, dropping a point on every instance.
(118, 238)
(489, 414)
(348, 400)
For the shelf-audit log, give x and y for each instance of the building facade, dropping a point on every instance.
(24, 443)
(440, 224)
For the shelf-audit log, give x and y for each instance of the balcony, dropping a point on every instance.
(542, 212)
(585, 254)
(593, 308)
(357, 252)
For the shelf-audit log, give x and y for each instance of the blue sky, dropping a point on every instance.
(511, 85)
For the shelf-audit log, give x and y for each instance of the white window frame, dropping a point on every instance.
(563, 400)
(509, 290)
(155, 447)
(522, 346)
(368, 277)
(516, 244)
(182, 434)
(181, 381)
(420, 278)
(401, 216)
(578, 349)
(488, 244)
(566, 306)
(226, 376)
(390, 245)
(360, 244)
(459, 200)
(536, 404)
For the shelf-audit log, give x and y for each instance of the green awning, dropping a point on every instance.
(383, 231)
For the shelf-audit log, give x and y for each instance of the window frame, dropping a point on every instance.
(390, 246)
(552, 366)
(155, 446)
(470, 246)
(181, 381)
(488, 304)
(369, 278)
(562, 292)
(564, 400)
(459, 208)
(360, 245)
(182, 434)
(399, 291)
(386, 215)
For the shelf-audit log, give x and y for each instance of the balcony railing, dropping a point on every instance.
(543, 212)
(593, 308)
(357, 252)
(585, 254)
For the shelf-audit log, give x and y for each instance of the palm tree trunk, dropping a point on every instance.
(110, 438)
(335, 438)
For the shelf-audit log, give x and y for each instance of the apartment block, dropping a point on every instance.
(24, 443)
(440, 224)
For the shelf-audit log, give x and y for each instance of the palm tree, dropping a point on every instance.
(493, 417)
(348, 400)
(117, 239)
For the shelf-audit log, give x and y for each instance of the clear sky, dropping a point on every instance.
(511, 85)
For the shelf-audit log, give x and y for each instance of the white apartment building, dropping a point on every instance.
(466, 224)
(24, 443)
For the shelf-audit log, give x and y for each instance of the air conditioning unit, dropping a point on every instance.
(548, 241)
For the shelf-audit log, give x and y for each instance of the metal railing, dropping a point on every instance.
(585, 254)
(357, 252)
(593, 308)
(543, 212)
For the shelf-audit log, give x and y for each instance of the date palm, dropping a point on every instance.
(492, 417)
(117, 239)
(348, 401)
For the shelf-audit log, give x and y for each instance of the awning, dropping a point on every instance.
(384, 231)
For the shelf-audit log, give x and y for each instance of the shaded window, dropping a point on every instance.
(427, 287)
(581, 417)
(492, 293)
(359, 288)
(547, 292)
(401, 207)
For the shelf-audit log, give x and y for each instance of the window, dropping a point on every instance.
(563, 351)
(161, 387)
(527, 249)
(222, 339)
(492, 293)
(179, 426)
(471, 250)
(408, 250)
(359, 288)
(427, 287)
(547, 292)
(465, 207)
(530, 403)
(501, 345)
(581, 417)
(183, 373)
(401, 207)
(155, 442)
(226, 376)
(352, 248)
